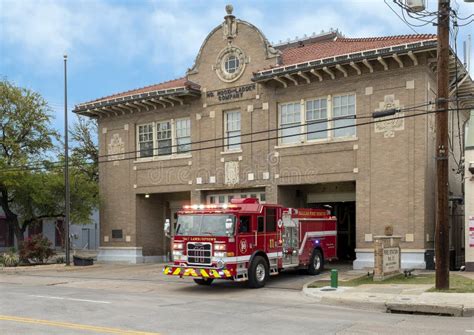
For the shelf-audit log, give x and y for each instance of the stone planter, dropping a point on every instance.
(82, 261)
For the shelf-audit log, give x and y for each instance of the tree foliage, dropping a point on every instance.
(25, 125)
(85, 154)
(31, 178)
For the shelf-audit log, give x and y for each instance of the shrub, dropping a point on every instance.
(9, 259)
(36, 249)
(60, 260)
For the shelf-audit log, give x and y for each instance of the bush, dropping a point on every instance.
(60, 260)
(36, 249)
(9, 259)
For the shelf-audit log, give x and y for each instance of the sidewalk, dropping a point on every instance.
(395, 298)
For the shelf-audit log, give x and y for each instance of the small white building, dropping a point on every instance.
(84, 236)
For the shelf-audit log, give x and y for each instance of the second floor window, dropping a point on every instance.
(232, 130)
(183, 135)
(145, 140)
(290, 121)
(163, 134)
(314, 119)
(164, 138)
(344, 108)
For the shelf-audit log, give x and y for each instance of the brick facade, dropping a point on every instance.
(390, 173)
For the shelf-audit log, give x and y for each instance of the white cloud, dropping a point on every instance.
(42, 31)
(168, 34)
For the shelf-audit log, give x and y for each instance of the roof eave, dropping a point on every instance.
(345, 58)
(91, 109)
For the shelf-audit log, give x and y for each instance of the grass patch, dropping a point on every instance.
(458, 283)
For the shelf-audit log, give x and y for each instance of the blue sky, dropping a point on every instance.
(117, 45)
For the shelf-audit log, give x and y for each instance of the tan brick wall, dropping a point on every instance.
(150, 218)
(393, 176)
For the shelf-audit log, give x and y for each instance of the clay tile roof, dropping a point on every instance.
(180, 82)
(342, 46)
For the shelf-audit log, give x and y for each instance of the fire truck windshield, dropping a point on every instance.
(204, 225)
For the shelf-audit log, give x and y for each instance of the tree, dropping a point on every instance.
(85, 154)
(31, 183)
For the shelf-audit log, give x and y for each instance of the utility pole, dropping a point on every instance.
(66, 168)
(442, 222)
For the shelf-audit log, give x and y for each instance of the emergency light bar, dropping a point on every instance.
(203, 207)
(233, 204)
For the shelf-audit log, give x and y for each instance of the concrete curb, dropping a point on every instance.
(420, 308)
(46, 267)
(343, 301)
(468, 311)
(390, 303)
(354, 303)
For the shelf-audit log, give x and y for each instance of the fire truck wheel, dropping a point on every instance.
(204, 281)
(258, 272)
(316, 264)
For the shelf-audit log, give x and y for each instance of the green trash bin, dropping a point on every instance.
(334, 278)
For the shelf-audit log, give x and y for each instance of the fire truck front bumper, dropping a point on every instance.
(181, 271)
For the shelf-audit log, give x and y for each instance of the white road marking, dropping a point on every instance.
(469, 330)
(71, 299)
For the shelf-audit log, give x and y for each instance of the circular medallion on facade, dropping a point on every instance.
(230, 64)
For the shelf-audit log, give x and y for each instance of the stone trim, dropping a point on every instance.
(411, 258)
(133, 255)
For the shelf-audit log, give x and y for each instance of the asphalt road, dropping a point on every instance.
(134, 299)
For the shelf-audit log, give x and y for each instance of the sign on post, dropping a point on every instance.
(386, 257)
(391, 259)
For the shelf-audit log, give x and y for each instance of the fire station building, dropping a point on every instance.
(289, 124)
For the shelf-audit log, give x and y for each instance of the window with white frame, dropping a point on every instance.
(232, 130)
(290, 122)
(145, 140)
(163, 135)
(183, 135)
(318, 119)
(156, 138)
(343, 107)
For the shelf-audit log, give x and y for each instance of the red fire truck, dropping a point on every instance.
(249, 241)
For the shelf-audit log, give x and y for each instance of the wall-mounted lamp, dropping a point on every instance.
(147, 196)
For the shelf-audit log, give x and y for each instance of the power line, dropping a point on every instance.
(41, 165)
(26, 168)
(465, 24)
(46, 164)
(393, 10)
(279, 128)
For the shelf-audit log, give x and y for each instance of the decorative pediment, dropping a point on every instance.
(389, 124)
(116, 148)
(229, 27)
(231, 173)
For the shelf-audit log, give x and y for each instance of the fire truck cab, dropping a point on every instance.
(249, 241)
